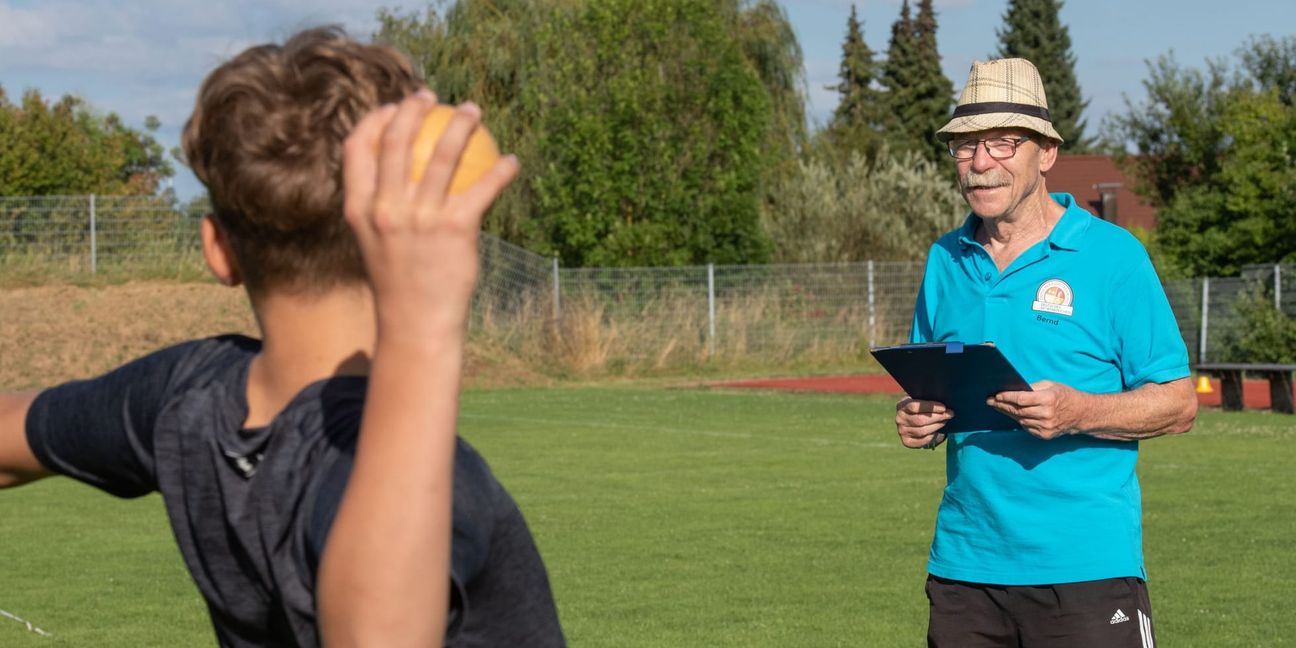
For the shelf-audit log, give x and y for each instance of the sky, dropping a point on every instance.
(147, 57)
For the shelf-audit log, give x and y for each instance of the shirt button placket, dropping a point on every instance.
(987, 309)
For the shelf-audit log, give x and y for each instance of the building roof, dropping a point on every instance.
(1088, 177)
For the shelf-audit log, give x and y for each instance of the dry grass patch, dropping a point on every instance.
(51, 334)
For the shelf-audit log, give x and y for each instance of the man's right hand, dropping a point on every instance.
(919, 422)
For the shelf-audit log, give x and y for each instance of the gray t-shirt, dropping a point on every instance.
(251, 508)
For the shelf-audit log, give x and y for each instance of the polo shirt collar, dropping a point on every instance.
(1070, 229)
(1066, 235)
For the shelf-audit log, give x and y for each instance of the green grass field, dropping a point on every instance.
(679, 517)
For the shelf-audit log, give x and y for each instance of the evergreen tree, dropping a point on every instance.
(934, 92)
(858, 116)
(1033, 31)
(918, 93)
(897, 82)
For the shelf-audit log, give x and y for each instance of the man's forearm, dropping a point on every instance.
(17, 463)
(1152, 410)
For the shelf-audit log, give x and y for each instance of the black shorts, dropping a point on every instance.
(1112, 613)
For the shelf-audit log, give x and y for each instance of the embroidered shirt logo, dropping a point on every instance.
(1054, 296)
(1119, 617)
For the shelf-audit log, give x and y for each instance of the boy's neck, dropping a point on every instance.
(306, 338)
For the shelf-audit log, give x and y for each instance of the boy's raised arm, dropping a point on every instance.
(17, 463)
(384, 578)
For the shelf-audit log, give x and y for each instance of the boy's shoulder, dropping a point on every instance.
(202, 358)
(186, 365)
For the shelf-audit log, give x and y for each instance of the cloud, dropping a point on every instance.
(147, 57)
(24, 28)
(157, 37)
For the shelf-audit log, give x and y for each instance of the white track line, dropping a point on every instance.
(30, 627)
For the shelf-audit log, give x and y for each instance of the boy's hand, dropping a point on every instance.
(419, 242)
(384, 576)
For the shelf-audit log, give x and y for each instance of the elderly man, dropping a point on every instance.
(1039, 538)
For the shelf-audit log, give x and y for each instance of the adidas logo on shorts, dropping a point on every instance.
(1119, 617)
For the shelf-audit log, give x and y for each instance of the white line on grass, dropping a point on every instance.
(745, 436)
(30, 627)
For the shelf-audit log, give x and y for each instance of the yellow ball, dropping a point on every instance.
(478, 157)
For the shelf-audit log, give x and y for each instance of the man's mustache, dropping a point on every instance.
(989, 179)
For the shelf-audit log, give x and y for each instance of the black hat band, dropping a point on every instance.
(967, 110)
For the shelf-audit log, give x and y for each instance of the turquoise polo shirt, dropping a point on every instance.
(1084, 307)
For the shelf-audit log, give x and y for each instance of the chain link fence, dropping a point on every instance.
(610, 317)
(92, 234)
(779, 311)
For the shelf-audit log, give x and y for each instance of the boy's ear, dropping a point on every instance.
(218, 254)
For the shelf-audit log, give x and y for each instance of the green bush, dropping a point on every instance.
(890, 209)
(1262, 333)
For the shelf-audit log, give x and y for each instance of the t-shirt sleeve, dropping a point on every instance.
(100, 431)
(1150, 347)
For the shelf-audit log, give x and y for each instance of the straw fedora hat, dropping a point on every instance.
(1003, 93)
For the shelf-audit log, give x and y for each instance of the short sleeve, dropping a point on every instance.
(1150, 347)
(100, 431)
(920, 330)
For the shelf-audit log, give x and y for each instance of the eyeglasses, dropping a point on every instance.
(999, 148)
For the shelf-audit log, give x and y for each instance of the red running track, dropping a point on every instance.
(1255, 393)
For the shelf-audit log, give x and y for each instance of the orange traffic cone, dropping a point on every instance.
(1204, 385)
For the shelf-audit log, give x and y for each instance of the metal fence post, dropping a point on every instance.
(711, 310)
(1278, 287)
(1205, 317)
(557, 292)
(94, 242)
(872, 310)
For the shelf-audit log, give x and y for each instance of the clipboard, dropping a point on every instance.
(959, 375)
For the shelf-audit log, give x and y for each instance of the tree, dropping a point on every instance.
(480, 51)
(532, 78)
(1272, 64)
(919, 95)
(1032, 30)
(934, 91)
(897, 76)
(770, 47)
(1216, 151)
(660, 162)
(1176, 131)
(63, 148)
(1245, 212)
(858, 116)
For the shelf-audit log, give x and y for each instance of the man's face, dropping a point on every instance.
(994, 188)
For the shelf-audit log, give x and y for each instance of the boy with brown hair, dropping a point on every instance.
(307, 475)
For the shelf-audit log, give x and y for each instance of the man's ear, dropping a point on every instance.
(218, 254)
(1048, 154)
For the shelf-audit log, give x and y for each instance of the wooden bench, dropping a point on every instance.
(1230, 375)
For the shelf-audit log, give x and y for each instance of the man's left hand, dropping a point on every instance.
(1050, 411)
